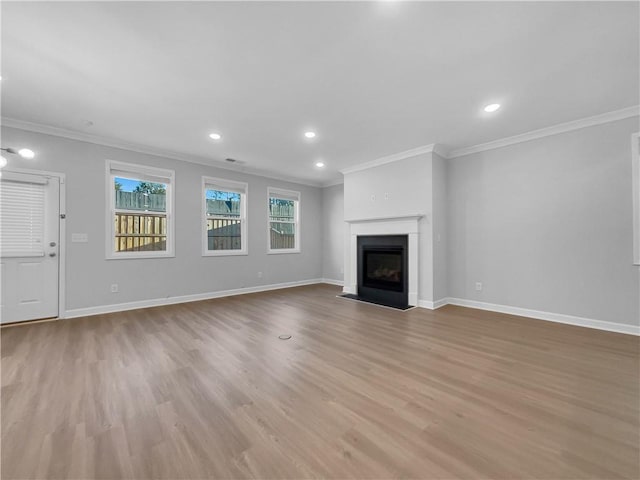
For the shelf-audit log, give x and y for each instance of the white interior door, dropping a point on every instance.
(29, 239)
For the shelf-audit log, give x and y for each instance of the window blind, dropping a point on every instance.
(226, 186)
(284, 194)
(21, 219)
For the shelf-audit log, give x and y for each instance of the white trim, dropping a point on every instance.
(62, 232)
(156, 302)
(413, 216)
(285, 195)
(148, 150)
(548, 131)
(440, 303)
(635, 167)
(414, 152)
(433, 305)
(134, 169)
(503, 142)
(333, 183)
(540, 315)
(401, 225)
(330, 281)
(244, 199)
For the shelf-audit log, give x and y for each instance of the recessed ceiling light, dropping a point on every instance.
(215, 136)
(320, 164)
(492, 107)
(310, 134)
(26, 153)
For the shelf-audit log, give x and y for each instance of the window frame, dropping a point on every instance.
(635, 166)
(273, 192)
(138, 170)
(221, 184)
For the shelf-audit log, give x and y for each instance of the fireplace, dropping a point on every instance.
(383, 269)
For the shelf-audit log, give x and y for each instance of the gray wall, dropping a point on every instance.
(89, 275)
(544, 225)
(440, 227)
(333, 228)
(547, 225)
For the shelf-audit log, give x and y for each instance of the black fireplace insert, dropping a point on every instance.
(383, 269)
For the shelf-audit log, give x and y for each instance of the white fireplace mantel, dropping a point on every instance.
(397, 225)
(415, 216)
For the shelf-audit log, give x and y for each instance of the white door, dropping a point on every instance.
(29, 239)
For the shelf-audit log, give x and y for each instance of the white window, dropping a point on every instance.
(284, 221)
(224, 208)
(140, 211)
(635, 159)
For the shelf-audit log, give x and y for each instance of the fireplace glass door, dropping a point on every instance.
(383, 268)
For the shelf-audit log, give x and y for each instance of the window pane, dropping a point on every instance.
(140, 233)
(280, 209)
(224, 234)
(134, 194)
(282, 235)
(223, 204)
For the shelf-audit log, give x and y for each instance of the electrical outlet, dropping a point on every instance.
(386, 196)
(373, 198)
(114, 288)
(259, 274)
(478, 286)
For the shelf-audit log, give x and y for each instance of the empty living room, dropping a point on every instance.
(315, 239)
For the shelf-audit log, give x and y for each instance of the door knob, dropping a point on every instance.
(52, 244)
(52, 254)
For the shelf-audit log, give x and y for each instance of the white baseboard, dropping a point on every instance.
(433, 305)
(548, 316)
(523, 312)
(330, 281)
(156, 302)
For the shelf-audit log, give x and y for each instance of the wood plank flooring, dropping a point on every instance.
(207, 390)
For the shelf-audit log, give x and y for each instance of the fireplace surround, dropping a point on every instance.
(406, 225)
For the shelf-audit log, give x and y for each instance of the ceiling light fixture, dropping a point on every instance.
(3, 162)
(320, 164)
(492, 107)
(26, 153)
(23, 152)
(215, 136)
(310, 134)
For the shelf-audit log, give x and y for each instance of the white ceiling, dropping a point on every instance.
(371, 78)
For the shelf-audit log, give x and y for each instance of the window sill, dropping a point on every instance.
(283, 251)
(129, 256)
(225, 253)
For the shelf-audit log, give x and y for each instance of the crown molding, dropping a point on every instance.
(146, 149)
(441, 150)
(446, 153)
(549, 131)
(390, 159)
(333, 183)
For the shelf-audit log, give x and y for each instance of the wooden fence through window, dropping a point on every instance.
(140, 232)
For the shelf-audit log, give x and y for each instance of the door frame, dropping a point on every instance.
(62, 240)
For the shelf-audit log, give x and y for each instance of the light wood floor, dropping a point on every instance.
(206, 390)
